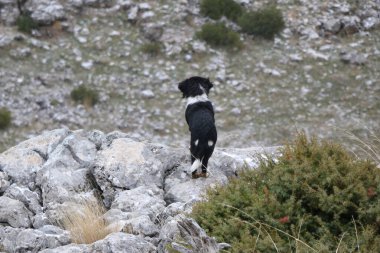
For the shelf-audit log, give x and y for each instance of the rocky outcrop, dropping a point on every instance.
(144, 186)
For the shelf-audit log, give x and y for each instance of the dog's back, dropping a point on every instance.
(200, 118)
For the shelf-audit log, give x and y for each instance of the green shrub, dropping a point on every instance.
(151, 48)
(84, 95)
(5, 118)
(265, 23)
(215, 9)
(26, 24)
(315, 198)
(220, 36)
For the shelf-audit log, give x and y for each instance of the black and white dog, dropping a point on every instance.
(200, 118)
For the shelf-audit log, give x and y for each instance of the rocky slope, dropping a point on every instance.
(320, 74)
(144, 187)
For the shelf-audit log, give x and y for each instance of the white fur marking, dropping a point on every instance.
(196, 165)
(196, 99)
(196, 142)
(210, 143)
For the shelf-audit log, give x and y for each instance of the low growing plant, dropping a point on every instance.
(26, 24)
(151, 48)
(84, 95)
(265, 23)
(215, 9)
(5, 118)
(315, 198)
(220, 36)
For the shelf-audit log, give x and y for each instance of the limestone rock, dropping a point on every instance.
(122, 242)
(14, 213)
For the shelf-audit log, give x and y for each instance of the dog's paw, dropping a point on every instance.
(197, 174)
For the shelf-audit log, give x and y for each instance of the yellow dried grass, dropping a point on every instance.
(85, 222)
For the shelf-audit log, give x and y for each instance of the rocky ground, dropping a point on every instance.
(321, 74)
(144, 187)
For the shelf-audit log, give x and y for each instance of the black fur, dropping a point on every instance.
(200, 118)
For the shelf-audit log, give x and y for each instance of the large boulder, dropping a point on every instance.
(145, 186)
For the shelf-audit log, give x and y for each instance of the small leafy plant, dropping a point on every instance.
(215, 9)
(315, 198)
(26, 24)
(265, 23)
(5, 118)
(84, 95)
(220, 36)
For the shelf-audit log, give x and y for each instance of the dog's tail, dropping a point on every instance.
(196, 165)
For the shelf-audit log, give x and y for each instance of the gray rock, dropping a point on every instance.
(65, 175)
(353, 58)
(9, 12)
(127, 164)
(133, 14)
(55, 236)
(153, 32)
(147, 94)
(98, 3)
(351, 24)
(122, 242)
(22, 162)
(186, 236)
(332, 25)
(45, 12)
(371, 22)
(14, 213)
(30, 199)
(8, 237)
(40, 219)
(21, 53)
(71, 248)
(4, 181)
(142, 200)
(141, 225)
(188, 190)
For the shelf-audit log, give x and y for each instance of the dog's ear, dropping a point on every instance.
(183, 88)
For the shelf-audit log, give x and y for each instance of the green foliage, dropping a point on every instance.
(220, 36)
(5, 118)
(151, 48)
(84, 95)
(26, 24)
(265, 23)
(215, 9)
(316, 193)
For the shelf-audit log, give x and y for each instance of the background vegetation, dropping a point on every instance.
(85, 95)
(5, 118)
(219, 35)
(316, 198)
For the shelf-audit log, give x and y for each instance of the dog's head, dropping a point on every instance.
(195, 86)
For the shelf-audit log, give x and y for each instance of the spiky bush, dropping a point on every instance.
(215, 9)
(84, 95)
(265, 23)
(220, 36)
(26, 24)
(5, 118)
(315, 198)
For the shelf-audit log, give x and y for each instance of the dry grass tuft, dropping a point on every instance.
(370, 148)
(85, 222)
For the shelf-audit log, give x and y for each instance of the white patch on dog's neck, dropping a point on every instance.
(197, 99)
